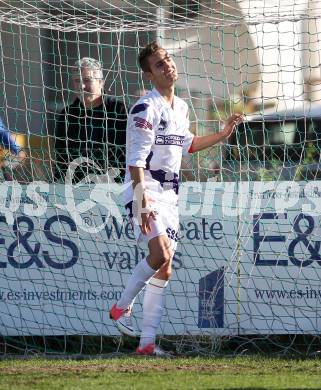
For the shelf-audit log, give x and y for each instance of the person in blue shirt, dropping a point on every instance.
(8, 142)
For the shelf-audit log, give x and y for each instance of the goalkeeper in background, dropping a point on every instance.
(92, 128)
(157, 137)
(8, 143)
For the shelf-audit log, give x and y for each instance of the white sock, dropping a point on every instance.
(138, 280)
(153, 305)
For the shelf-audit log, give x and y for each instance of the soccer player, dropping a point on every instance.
(93, 126)
(157, 137)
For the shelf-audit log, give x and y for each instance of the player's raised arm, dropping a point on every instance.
(205, 141)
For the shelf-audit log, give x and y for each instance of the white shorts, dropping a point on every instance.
(166, 223)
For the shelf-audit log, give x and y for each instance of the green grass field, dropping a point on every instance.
(180, 373)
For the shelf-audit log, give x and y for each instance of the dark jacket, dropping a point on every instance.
(98, 134)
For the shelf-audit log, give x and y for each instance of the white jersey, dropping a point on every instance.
(157, 137)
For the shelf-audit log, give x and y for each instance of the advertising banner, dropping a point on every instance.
(248, 259)
(67, 252)
(280, 289)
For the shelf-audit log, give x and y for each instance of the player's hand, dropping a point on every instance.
(147, 217)
(231, 123)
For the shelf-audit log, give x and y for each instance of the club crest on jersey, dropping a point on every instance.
(139, 108)
(170, 139)
(142, 123)
(162, 125)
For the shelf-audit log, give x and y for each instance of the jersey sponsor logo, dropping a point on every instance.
(170, 139)
(142, 123)
(139, 108)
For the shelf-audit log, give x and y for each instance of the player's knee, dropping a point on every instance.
(166, 271)
(160, 251)
(163, 257)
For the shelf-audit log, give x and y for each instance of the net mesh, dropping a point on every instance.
(246, 271)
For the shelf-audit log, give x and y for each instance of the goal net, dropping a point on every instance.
(247, 268)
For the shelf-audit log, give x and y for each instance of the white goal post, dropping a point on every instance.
(248, 261)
